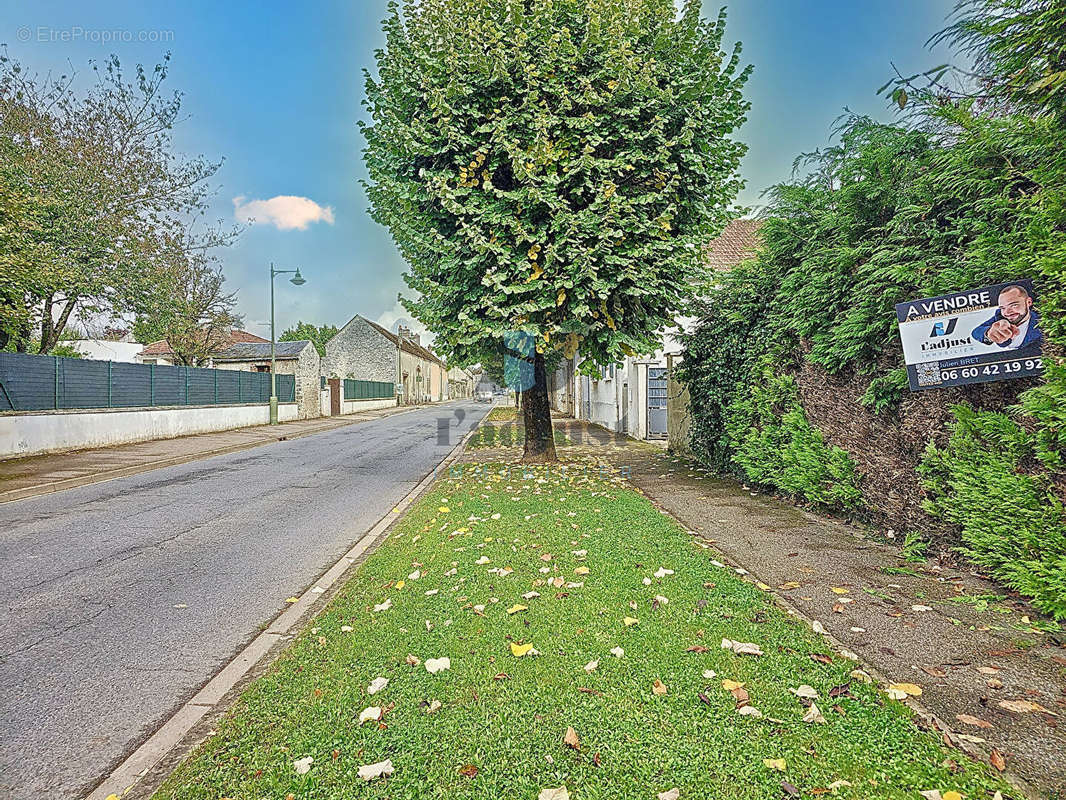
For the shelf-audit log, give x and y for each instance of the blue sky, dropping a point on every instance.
(276, 89)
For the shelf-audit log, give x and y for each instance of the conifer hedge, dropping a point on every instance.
(967, 189)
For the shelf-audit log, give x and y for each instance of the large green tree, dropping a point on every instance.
(190, 307)
(93, 198)
(552, 168)
(306, 331)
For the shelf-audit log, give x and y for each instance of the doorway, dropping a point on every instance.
(334, 397)
(656, 402)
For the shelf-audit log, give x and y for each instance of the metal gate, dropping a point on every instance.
(656, 402)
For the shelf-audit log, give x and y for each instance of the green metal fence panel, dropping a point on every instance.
(36, 383)
(286, 388)
(367, 390)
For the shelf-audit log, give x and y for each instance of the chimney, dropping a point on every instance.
(406, 333)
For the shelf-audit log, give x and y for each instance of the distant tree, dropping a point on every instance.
(552, 168)
(190, 308)
(317, 334)
(92, 197)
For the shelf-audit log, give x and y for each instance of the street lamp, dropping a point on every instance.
(296, 280)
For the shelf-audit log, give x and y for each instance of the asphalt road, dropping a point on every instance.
(121, 599)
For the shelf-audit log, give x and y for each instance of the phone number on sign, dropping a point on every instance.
(1002, 368)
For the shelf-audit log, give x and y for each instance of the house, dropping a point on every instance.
(460, 383)
(631, 397)
(292, 358)
(122, 350)
(366, 351)
(159, 352)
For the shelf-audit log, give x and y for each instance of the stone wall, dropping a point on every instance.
(308, 372)
(362, 352)
(678, 416)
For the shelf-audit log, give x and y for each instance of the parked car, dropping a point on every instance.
(483, 397)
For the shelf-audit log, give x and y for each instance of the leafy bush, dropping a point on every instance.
(1012, 522)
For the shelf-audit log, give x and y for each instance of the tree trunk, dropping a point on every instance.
(52, 330)
(22, 338)
(536, 414)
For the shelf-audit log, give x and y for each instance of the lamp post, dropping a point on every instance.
(297, 280)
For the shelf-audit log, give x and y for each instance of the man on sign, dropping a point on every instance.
(1015, 325)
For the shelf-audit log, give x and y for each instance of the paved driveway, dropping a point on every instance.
(121, 599)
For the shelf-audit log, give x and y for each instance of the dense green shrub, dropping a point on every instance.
(964, 192)
(1012, 523)
(776, 445)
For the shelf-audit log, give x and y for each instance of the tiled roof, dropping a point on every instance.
(158, 348)
(738, 242)
(408, 345)
(162, 348)
(259, 351)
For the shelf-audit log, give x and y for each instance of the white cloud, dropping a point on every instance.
(285, 212)
(392, 318)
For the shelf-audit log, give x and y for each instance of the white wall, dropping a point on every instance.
(106, 350)
(352, 406)
(33, 434)
(600, 400)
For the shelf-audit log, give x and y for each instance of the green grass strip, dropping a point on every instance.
(502, 718)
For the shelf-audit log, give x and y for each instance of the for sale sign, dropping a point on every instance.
(976, 336)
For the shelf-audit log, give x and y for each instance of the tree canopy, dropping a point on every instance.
(552, 167)
(306, 331)
(94, 202)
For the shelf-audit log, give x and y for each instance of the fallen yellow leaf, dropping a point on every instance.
(765, 587)
(519, 650)
(907, 688)
(292, 600)
(953, 795)
(658, 687)
(444, 509)
(1020, 706)
(729, 685)
(570, 739)
(630, 621)
(581, 571)
(839, 590)
(400, 584)
(775, 763)
(516, 608)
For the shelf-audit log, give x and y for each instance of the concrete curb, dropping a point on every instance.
(926, 717)
(136, 469)
(171, 733)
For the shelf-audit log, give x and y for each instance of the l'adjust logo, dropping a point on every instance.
(939, 330)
